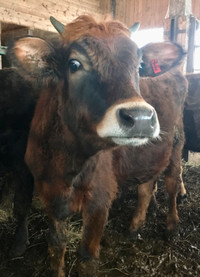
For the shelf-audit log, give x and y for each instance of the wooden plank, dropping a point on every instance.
(196, 8)
(14, 17)
(44, 11)
(178, 22)
(191, 47)
(35, 14)
(180, 7)
(150, 13)
(48, 4)
(104, 6)
(120, 10)
(47, 8)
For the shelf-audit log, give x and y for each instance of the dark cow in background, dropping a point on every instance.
(18, 98)
(192, 114)
(92, 131)
(192, 102)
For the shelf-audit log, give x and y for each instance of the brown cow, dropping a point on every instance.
(91, 106)
(192, 102)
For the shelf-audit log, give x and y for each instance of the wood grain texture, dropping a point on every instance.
(35, 14)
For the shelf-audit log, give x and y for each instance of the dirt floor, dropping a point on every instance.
(148, 255)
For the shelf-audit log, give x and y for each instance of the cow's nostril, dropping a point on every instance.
(140, 121)
(126, 117)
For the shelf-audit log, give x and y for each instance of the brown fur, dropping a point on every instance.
(143, 165)
(74, 169)
(86, 25)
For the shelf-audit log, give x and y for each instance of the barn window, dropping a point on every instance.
(148, 35)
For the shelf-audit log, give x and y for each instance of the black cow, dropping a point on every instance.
(192, 114)
(18, 98)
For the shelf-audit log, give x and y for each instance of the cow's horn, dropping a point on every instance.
(134, 27)
(57, 25)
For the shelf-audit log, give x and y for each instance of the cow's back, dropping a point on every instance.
(18, 98)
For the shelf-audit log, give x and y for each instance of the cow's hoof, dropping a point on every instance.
(133, 235)
(170, 235)
(181, 198)
(87, 268)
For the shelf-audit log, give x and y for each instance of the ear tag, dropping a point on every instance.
(155, 66)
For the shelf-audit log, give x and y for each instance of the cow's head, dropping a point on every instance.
(160, 57)
(96, 68)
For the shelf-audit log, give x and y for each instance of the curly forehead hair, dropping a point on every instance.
(86, 25)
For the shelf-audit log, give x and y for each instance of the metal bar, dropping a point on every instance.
(173, 29)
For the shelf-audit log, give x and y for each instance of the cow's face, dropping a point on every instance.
(96, 70)
(102, 92)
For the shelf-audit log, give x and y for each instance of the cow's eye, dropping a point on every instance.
(74, 65)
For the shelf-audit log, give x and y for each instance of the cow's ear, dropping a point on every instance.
(158, 58)
(32, 56)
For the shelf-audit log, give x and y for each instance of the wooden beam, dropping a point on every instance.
(35, 14)
(179, 8)
(191, 45)
(178, 21)
(14, 17)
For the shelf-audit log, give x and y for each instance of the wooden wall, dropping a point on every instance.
(196, 8)
(150, 13)
(147, 12)
(35, 13)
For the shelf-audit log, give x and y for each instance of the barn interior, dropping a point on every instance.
(150, 254)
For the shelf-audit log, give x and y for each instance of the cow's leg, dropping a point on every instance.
(145, 192)
(153, 203)
(55, 198)
(182, 193)
(94, 221)
(174, 185)
(57, 246)
(95, 214)
(172, 190)
(94, 192)
(22, 203)
(174, 182)
(94, 204)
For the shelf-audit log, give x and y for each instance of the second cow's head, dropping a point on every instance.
(96, 69)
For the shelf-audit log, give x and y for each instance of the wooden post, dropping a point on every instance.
(177, 22)
(113, 8)
(191, 45)
(180, 8)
